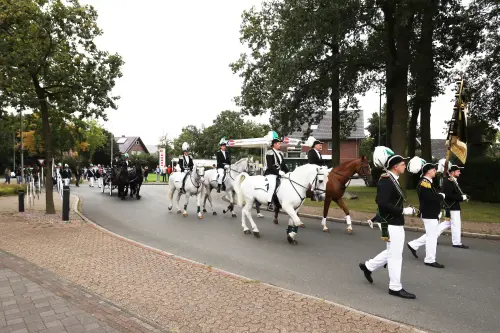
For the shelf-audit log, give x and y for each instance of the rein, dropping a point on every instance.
(349, 178)
(315, 180)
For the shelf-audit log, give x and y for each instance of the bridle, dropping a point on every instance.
(361, 168)
(315, 182)
(199, 179)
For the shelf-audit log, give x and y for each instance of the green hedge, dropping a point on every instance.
(11, 189)
(480, 179)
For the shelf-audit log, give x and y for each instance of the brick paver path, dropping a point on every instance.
(174, 293)
(34, 300)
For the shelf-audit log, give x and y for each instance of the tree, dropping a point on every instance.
(52, 64)
(193, 136)
(303, 59)
(94, 136)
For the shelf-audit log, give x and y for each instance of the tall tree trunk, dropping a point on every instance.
(389, 105)
(47, 138)
(427, 82)
(335, 99)
(412, 126)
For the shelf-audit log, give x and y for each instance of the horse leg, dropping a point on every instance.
(293, 223)
(209, 196)
(137, 195)
(248, 212)
(185, 213)
(205, 197)
(342, 205)
(178, 199)
(326, 207)
(244, 213)
(231, 205)
(198, 205)
(257, 207)
(276, 212)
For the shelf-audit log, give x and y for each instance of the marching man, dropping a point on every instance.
(454, 196)
(186, 164)
(90, 175)
(390, 207)
(223, 164)
(430, 209)
(314, 155)
(66, 175)
(275, 167)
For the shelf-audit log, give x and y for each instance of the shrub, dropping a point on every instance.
(479, 179)
(11, 189)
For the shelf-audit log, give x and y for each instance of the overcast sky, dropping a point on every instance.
(176, 69)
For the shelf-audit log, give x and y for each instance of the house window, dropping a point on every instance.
(329, 145)
(137, 142)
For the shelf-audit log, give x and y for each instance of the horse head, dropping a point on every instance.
(319, 184)
(364, 170)
(312, 178)
(241, 165)
(200, 173)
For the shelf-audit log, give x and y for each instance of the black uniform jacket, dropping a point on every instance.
(186, 166)
(313, 158)
(389, 201)
(221, 160)
(275, 163)
(430, 199)
(453, 196)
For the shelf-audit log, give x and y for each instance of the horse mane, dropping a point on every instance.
(241, 160)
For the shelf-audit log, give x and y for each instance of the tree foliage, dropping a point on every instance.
(51, 64)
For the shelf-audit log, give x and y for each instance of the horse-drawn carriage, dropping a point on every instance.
(121, 177)
(107, 181)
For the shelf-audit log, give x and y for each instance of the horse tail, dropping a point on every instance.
(237, 188)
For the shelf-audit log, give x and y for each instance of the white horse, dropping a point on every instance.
(193, 186)
(290, 194)
(211, 183)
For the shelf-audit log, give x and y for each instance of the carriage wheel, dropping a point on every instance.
(110, 188)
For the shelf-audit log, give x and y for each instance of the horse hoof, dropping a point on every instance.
(204, 210)
(256, 234)
(169, 208)
(200, 216)
(214, 213)
(233, 215)
(138, 197)
(260, 215)
(349, 230)
(302, 225)
(291, 240)
(185, 214)
(179, 211)
(326, 230)
(275, 221)
(247, 232)
(224, 211)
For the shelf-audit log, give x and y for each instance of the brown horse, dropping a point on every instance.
(338, 180)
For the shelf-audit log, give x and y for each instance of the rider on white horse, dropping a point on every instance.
(186, 164)
(275, 168)
(223, 164)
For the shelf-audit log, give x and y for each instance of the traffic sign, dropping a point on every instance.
(286, 140)
(231, 142)
(41, 160)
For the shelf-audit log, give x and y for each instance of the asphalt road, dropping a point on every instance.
(462, 298)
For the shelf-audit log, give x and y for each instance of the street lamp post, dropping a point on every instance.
(22, 149)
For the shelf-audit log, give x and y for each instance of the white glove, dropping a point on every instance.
(464, 198)
(282, 173)
(408, 211)
(226, 166)
(444, 196)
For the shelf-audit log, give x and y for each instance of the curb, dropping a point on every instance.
(155, 183)
(78, 204)
(407, 228)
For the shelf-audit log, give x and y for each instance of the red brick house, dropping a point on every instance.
(132, 145)
(349, 147)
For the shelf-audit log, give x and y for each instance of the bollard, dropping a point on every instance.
(65, 207)
(21, 200)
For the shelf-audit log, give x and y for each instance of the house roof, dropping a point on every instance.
(323, 131)
(125, 143)
(438, 148)
(152, 148)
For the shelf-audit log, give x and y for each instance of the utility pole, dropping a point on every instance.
(14, 149)
(112, 139)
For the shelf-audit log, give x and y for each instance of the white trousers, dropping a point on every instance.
(92, 181)
(99, 182)
(456, 227)
(392, 256)
(66, 181)
(272, 185)
(220, 173)
(429, 239)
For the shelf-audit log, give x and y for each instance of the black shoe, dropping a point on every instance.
(412, 250)
(461, 246)
(223, 187)
(270, 207)
(435, 264)
(402, 293)
(368, 273)
(218, 188)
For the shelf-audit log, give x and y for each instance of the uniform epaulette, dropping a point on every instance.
(270, 152)
(425, 183)
(384, 175)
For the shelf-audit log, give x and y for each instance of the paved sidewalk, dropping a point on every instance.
(34, 300)
(171, 292)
